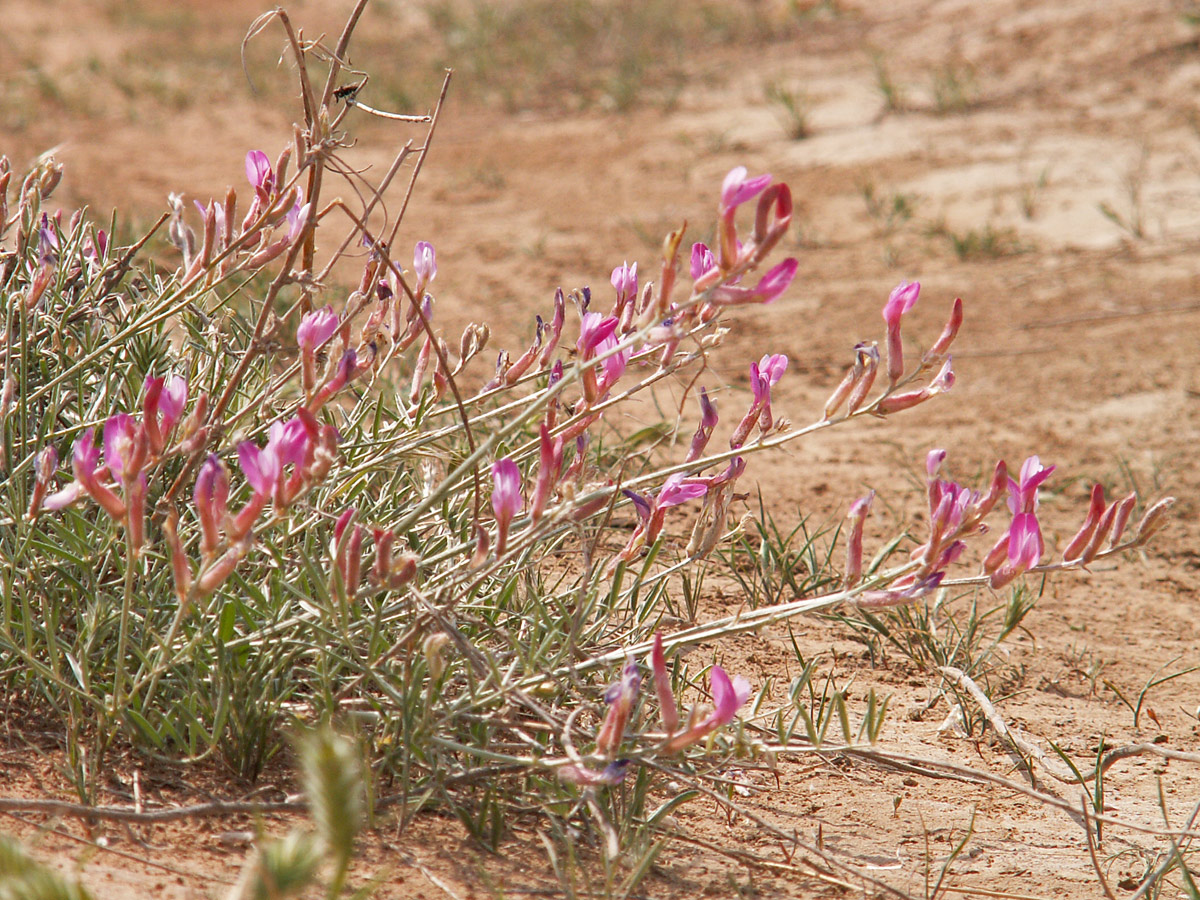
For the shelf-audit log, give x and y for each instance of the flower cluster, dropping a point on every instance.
(728, 696)
(131, 448)
(957, 513)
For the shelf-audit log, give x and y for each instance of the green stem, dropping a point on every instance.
(123, 637)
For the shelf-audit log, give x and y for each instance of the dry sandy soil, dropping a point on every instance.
(1021, 122)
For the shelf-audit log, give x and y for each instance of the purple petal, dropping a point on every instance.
(900, 301)
(258, 169)
(772, 367)
(118, 444)
(506, 491)
(677, 491)
(425, 261)
(260, 467)
(594, 329)
(316, 328)
(172, 401)
(728, 696)
(737, 188)
(703, 260)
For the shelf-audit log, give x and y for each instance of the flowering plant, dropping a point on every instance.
(294, 522)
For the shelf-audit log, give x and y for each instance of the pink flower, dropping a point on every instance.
(549, 469)
(347, 368)
(620, 698)
(625, 280)
(901, 591)
(942, 345)
(902, 299)
(676, 491)
(258, 171)
(167, 398)
(1025, 549)
(854, 547)
(737, 188)
(84, 461)
(729, 695)
(594, 329)
(261, 468)
(703, 261)
(662, 686)
(211, 498)
(297, 218)
(424, 264)
(708, 421)
(1023, 492)
(506, 498)
(769, 287)
(124, 447)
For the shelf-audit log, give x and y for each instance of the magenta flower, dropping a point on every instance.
(288, 441)
(764, 375)
(124, 448)
(662, 686)
(297, 218)
(261, 468)
(174, 398)
(347, 368)
(737, 188)
(549, 469)
(902, 299)
(594, 329)
(703, 261)
(597, 336)
(47, 242)
(506, 498)
(613, 366)
(315, 329)
(85, 459)
(1025, 548)
(625, 280)
(167, 398)
(729, 695)
(424, 264)
(942, 345)
(933, 462)
(620, 698)
(772, 366)
(854, 546)
(901, 591)
(769, 287)
(708, 421)
(258, 171)
(211, 498)
(676, 491)
(1023, 492)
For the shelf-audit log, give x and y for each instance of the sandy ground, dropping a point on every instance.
(1022, 123)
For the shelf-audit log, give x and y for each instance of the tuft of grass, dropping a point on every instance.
(890, 211)
(773, 564)
(893, 95)
(792, 106)
(986, 242)
(955, 88)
